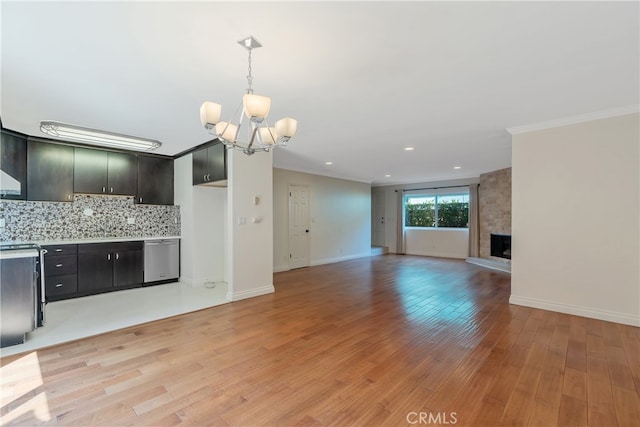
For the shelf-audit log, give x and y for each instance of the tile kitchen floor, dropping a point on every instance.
(76, 318)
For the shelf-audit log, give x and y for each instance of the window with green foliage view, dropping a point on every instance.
(442, 211)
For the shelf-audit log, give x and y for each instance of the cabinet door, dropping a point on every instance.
(89, 171)
(200, 166)
(14, 164)
(95, 269)
(123, 174)
(218, 162)
(155, 181)
(49, 172)
(127, 267)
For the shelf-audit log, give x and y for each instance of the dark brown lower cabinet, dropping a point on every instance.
(108, 266)
(60, 271)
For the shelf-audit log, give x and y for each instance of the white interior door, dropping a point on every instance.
(378, 238)
(298, 226)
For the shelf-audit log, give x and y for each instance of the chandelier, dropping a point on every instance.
(260, 136)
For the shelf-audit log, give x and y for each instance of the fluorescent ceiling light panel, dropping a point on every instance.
(98, 137)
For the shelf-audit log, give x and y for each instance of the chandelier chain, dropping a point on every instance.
(249, 76)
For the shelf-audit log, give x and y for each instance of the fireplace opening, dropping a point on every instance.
(501, 245)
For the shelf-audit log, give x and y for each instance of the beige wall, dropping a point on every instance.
(203, 227)
(452, 243)
(576, 219)
(494, 205)
(340, 218)
(250, 242)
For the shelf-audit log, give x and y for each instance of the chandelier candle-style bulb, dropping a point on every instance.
(286, 128)
(268, 135)
(210, 114)
(227, 131)
(256, 107)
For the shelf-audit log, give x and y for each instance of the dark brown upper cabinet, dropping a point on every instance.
(210, 165)
(155, 181)
(104, 172)
(49, 172)
(13, 148)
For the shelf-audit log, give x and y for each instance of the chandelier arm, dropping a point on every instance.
(253, 137)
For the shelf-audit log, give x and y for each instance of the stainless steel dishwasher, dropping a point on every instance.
(161, 260)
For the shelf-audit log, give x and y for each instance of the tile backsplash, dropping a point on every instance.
(87, 217)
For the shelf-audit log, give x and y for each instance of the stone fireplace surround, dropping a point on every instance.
(494, 216)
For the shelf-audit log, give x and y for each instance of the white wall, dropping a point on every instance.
(340, 216)
(453, 243)
(249, 245)
(203, 227)
(576, 219)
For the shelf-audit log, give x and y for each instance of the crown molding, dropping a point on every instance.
(604, 114)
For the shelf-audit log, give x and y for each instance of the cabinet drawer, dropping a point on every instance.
(60, 250)
(61, 285)
(64, 264)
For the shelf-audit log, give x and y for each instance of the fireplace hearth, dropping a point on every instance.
(501, 245)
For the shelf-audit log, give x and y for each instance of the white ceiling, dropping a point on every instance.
(364, 79)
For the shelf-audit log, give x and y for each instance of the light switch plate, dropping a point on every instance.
(1, 222)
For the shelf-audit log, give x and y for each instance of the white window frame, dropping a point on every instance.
(436, 193)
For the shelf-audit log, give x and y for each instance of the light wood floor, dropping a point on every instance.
(387, 340)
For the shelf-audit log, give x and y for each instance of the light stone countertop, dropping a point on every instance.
(95, 240)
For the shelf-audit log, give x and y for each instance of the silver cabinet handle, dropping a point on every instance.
(104, 190)
(117, 255)
(140, 199)
(109, 257)
(58, 265)
(59, 250)
(59, 285)
(112, 189)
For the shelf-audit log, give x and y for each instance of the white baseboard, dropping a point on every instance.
(495, 265)
(250, 293)
(187, 281)
(436, 254)
(593, 313)
(197, 283)
(340, 259)
(280, 268)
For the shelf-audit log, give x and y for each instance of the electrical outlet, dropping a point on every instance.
(1, 222)
(131, 220)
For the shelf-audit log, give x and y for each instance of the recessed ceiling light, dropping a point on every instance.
(457, 167)
(408, 148)
(387, 175)
(328, 163)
